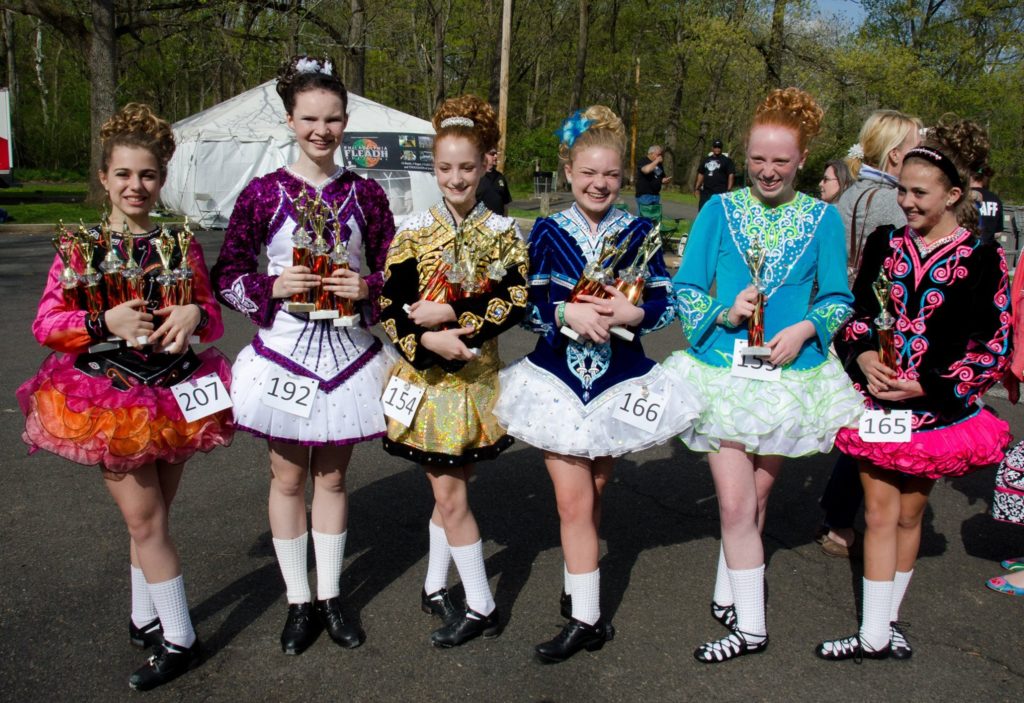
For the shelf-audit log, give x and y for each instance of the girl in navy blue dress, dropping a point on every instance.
(563, 397)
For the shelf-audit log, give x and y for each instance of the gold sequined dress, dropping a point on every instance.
(454, 423)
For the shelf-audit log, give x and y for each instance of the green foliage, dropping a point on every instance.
(702, 67)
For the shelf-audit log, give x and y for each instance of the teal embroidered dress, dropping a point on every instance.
(801, 412)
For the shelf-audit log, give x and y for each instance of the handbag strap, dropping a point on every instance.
(857, 238)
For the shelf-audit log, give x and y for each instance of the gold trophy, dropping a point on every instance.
(347, 315)
(301, 241)
(112, 266)
(882, 288)
(320, 264)
(165, 245)
(633, 278)
(755, 257)
(90, 277)
(183, 275)
(64, 243)
(597, 274)
(132, 272)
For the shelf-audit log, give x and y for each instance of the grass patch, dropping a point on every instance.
(49, 188)
(46, 213)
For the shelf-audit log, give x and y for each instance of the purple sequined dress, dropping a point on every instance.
(349, 364)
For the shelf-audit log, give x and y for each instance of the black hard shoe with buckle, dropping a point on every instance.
(468, 625)
(565, 605)
(899, 647)
(168, 662)
(725, 614)
(301, 628)
(345, 634)
(576, 635)
(851, 647)
(147, 636)
(439, 603)
(734, 645)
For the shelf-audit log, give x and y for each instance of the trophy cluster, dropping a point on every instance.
(120, 277)
(475, 259)
(316, 220)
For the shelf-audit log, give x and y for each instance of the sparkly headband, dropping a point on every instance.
(456, 122)
(939, 160)
(308, 65)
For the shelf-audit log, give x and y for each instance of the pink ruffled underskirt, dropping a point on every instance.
(87, 420)
(948, 451)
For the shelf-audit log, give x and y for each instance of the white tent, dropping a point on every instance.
(223, 147)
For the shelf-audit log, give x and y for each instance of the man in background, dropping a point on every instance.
(650, 177)
(715, 175)
(493, 188)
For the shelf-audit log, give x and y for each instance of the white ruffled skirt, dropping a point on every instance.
(350, 413)
(536, 407)
(798, 415)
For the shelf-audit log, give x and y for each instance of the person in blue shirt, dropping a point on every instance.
(803, 397)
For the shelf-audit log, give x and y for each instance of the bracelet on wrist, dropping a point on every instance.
(725, 319)
(560, 314)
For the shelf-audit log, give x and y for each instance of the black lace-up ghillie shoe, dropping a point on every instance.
(439, 603)
(576, 635)
(849, 648)
(345, 634)
(899, 647)
(147, 636)
(729, 647)
(468, 625)
(300, 629)
(168, 662)
(725, 614)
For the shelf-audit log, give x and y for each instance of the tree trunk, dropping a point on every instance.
(494, 56)
(581, 57)
(12, 74)
(103, 84)
(355, 77)
(440, 20)
(533, 96)
(37, 55)
(773, 62)
(675, 110)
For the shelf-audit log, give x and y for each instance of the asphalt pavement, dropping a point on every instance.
(64, 579)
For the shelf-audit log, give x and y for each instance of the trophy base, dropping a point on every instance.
(623, 333)
(570, 333)
(407, 309)
(298, 307)
(761, 352)
(323, 315)
(347, 321)
(103, 347)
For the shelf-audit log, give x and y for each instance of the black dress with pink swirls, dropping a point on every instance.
(951, 302)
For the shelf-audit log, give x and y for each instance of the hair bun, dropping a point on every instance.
(136, 124)
(965, 141)
(302, 72)
(455, 111)
(793, 109)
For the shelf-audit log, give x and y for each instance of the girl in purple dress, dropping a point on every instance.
(329, 377)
